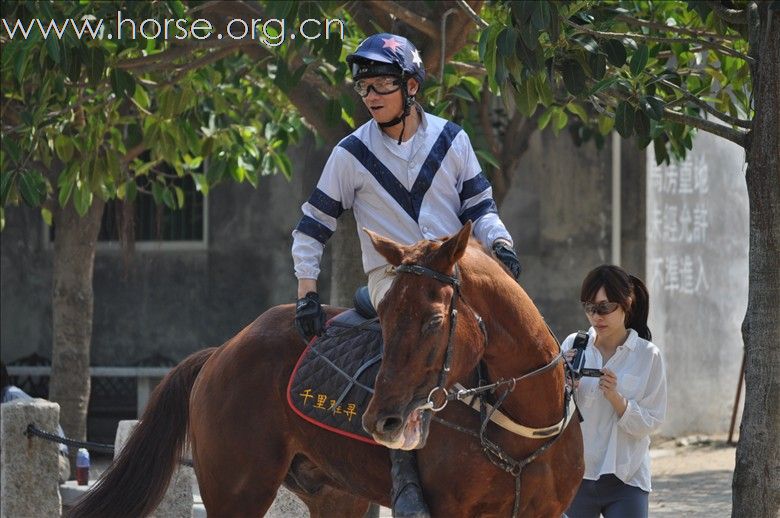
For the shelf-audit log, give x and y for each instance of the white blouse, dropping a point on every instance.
(621, 446)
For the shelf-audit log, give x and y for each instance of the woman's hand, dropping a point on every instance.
(608, 385)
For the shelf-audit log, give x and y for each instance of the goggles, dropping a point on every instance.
(600, 308)
(382, 85)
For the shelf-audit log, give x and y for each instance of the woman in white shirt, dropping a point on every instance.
(623, 406)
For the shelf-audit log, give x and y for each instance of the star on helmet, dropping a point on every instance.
(392, 44)
(416, 57)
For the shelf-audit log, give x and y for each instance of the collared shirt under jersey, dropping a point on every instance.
(621, 446)
(428, 193)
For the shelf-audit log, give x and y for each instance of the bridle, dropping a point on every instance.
(453, 281)
(493, 451)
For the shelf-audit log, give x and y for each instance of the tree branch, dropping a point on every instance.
(482, 24)
(735, 16)
(630, 20)
(738, 137)
(414, 20)
(200, 62)
(706, 107)
(642, 37)
(133, 153)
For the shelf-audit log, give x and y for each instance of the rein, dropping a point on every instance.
(492, 451)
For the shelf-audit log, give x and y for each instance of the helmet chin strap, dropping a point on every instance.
(408, 100)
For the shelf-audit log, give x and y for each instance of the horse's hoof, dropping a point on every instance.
(410, 504)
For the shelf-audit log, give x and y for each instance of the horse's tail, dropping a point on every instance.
(136, 481)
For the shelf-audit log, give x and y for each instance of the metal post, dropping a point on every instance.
(736, 400)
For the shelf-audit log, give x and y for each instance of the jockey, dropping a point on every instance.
(407, 175)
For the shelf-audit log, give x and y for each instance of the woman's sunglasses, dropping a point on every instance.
(600, 308)
(384, 86)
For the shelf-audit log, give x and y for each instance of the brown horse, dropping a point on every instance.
(246, 441)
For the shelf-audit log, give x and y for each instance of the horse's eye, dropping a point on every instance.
(433, 324)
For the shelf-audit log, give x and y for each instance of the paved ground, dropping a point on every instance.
(691, 478)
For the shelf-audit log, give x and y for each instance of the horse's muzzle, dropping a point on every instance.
(400, 429)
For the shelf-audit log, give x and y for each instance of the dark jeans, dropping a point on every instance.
(610, 497)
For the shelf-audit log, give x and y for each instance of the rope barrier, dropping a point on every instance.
(32, 430)
(94, 446)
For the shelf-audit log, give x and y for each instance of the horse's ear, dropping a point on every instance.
(388, 248)
(454, 248)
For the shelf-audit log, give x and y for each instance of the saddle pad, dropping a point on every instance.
(333, 380)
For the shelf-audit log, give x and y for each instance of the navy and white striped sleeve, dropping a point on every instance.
(330, 198)
(476, 197)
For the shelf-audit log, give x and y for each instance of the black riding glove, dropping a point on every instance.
(507, 255)
(309, 316)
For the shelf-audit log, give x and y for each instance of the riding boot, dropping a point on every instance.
(407, 497)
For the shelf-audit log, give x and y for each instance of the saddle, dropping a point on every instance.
(333, 380)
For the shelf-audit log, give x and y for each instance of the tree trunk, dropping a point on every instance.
(72, 300)
(347, 268)
(756, 486)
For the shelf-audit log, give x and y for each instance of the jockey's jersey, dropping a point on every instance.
(407, 195)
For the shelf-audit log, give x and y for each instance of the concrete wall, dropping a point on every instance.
(697, 263)
(559, 212)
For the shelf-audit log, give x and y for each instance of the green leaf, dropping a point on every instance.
(96, 67)
(642, 125)
(616, 52)
(131, 190)
(201, 183)
(525, 97)
(122, 83)
(72, 63)
(506, 41)
(540, 18)
(64, 147)
(604, 84)
(167, 197)
(65, 184)
(598, 65)
(53, 49)
(544, 118)
(488, 157)
(655, 107)
(661, 154)
(560, 119)
(157, 192)
(6, 183)
(82, 199)
(46, 215)
(179, 196)
(32, 187)
(606, 123)
(283, 164)
(639, 60)
(543, 90)
(573, 77)
(12, 148)
(578, 110)
(586, 42)
(624, 119)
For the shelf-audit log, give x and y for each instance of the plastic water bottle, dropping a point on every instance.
(82, 467)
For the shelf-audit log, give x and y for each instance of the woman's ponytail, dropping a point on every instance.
(640, 306)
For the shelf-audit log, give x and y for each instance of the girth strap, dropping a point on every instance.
(506, 422)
